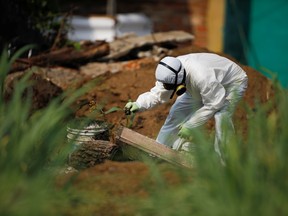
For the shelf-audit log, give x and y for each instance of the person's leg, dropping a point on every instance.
(223, 125)
(181, 110)
(223, 118)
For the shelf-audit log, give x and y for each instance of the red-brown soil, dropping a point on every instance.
(126, 179)
(138, 76)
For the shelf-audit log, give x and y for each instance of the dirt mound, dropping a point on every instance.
(116, 89)
(121, 179)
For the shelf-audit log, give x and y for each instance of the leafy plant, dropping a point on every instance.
(32, 149)
(97, 110)
(254, 179)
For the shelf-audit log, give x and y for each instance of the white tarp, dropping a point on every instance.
(107, 27)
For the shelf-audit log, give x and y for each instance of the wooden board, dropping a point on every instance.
(122, 46)
(152, 147)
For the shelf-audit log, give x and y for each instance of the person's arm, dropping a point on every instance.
(157, 95)
(213, 98)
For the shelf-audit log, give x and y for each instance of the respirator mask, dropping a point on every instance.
(179, 89)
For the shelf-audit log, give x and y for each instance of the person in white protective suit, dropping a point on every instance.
(207, 85)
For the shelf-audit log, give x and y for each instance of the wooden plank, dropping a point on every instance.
(152, 147)
(122, 46)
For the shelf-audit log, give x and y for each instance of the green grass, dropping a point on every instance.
(254, 180)
(33, 146)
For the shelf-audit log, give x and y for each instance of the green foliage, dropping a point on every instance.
(33, 21)
(76, 45)
(32, 148)
(5, 64)
(96, 110)
(40, 14)
(253, 181)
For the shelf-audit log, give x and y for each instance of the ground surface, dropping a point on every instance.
(126, 179)
(137, 77)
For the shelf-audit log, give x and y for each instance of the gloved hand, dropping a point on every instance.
(131, 107)
(185, 133)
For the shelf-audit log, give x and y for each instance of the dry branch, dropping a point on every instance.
(65, 56)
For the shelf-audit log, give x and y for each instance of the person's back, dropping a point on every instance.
(210, 67)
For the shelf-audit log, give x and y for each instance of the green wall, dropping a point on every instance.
(268, 37)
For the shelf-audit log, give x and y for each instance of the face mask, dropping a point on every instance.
(178, 89)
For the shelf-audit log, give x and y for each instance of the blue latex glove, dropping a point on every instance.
(185, 133)
(131, 107)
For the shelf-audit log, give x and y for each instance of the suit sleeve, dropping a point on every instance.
(157, 95)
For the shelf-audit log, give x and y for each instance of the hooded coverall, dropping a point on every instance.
(214, 85)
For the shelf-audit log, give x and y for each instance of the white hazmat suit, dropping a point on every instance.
(214, 84)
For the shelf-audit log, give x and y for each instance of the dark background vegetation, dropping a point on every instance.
(25, 22)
